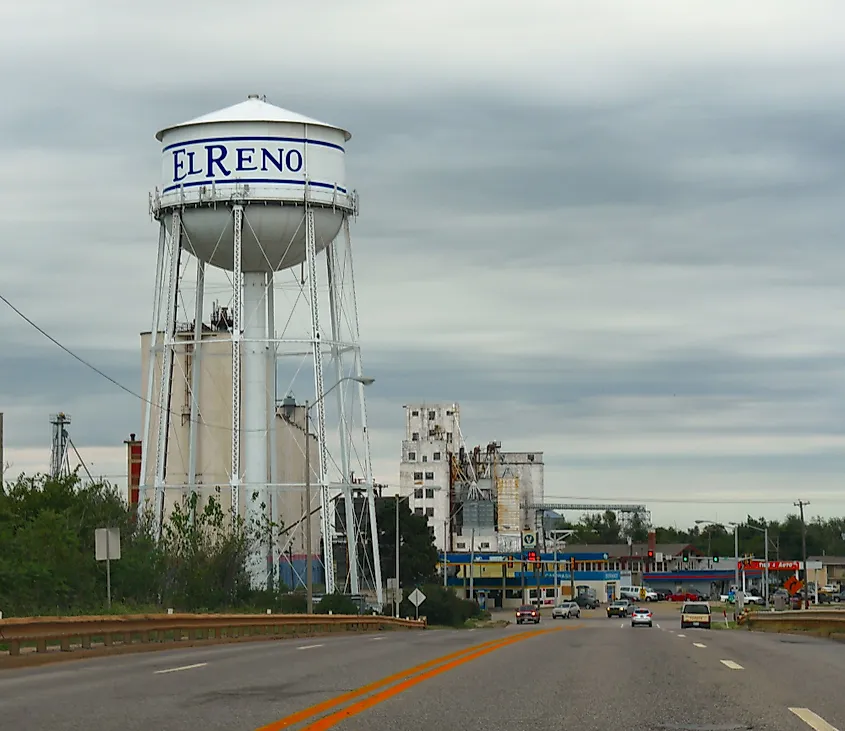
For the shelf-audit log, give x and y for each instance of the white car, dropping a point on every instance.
(567, 610)
(641, 617)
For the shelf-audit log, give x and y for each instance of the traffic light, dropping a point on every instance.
(686, 557)
(651, 555)
(715, 559)
(510, 562)
(537, 567)
(532, 555)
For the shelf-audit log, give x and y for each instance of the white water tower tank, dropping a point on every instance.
(262, 156)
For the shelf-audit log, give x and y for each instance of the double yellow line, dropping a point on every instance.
(393, 685)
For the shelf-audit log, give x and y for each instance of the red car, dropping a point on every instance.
(527, 613)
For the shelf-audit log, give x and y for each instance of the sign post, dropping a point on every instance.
(416, 598)
(107, 548)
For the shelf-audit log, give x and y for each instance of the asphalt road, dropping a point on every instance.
(591, 674)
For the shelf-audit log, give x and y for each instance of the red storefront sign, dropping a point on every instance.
(754, 565)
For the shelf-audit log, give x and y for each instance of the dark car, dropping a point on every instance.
(527, 613)
(619, 608)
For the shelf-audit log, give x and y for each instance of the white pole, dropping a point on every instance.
(471, 566)
(766, 571)
(193, 425)
(255, 421)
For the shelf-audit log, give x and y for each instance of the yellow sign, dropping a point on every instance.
(642, 592)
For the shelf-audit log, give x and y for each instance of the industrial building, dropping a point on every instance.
(473, 499)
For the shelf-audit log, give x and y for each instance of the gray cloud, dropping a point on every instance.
(622, 249)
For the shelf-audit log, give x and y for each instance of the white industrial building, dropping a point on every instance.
(214, 439)
(432, 432)
(477, 497)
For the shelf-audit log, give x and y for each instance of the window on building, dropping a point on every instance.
(417, 475)
(429, 475)
(425, 458)
(530, 457)
(429, 492)
(449, 412)
(461, 546)
(418, 511)
(436, 456)
(418, 493)
(429, 512)
(431, 414)
(486, 544)
(412, 456)
(415, 412)
(415, 437)
(448, 436)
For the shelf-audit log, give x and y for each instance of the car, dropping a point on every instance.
(585, 601)
(566, 610)
(619, 608)
(641, 617)
(695, 614)
(528, 613)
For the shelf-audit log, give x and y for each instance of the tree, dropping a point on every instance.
(417, 552)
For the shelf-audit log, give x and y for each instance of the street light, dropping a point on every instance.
(309, 562)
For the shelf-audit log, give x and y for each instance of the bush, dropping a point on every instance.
(442, 606)
(336, 604)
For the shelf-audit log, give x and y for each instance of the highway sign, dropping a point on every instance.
(416, 597)
(529, 539)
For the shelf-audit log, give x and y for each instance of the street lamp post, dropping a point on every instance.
(309, 562)
(736, 544)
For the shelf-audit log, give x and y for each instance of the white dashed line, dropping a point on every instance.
(731, 664)
(622, 626)
(680, 635)
(698, 644)
(813, 720)
(308, 647)
(184, 667)
(658, 626)
(373, 639)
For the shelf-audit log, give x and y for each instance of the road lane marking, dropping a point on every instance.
(352, 695)
(814, 721)
(373, 639)
(184, 667)
(403, 675)
(308, 647)
(658, 626)
(731, 664)
(330, 721)
(680, 635)
(698, 644)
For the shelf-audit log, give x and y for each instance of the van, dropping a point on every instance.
(695, 614)
(634, 593)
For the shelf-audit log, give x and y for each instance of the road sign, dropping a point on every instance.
(529, 539)
(642, 592)
(416, 597)
(793, 585)
(107, 548)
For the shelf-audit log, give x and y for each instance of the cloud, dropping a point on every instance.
(610, 233)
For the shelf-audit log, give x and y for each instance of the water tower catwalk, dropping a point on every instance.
(252, 367)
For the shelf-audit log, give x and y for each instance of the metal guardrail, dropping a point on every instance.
(44, 631)
(797, 618)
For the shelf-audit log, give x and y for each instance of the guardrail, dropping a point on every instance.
(829, 621)
(79, 632)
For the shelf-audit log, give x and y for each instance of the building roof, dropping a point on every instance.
(636, 550)
(828, 560)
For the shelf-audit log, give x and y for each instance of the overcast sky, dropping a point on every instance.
(612, 231)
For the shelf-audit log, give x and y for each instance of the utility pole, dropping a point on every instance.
(2, 463)
(800, 505)
(397, 596)
(472, 566)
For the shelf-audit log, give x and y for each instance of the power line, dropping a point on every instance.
(700, 500)
(105, 375)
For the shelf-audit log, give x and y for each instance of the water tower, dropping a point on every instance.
(254, 204)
